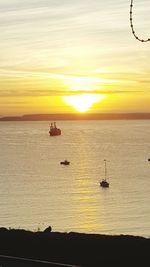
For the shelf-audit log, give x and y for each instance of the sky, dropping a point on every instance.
(64, 56)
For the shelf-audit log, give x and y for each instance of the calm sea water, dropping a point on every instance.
(36, 191)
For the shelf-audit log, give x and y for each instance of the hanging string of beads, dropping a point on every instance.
(131, 24)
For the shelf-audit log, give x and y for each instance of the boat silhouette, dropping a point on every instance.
(65, 162)
(104, 182)
(54, 131)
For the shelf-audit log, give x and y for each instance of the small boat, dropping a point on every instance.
(65, 162)
(104, 182)
(53, 131)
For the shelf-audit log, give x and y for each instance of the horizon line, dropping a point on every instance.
(77, 116)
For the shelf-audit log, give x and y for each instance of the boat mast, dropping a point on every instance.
(105, 169)
(51, 126)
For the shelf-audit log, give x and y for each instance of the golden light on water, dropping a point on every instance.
(83, 102)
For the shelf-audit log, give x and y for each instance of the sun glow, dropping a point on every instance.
(83, 102)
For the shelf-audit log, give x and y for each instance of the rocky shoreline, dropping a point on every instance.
(75, 248)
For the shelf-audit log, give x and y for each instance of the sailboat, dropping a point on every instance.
(104, 182)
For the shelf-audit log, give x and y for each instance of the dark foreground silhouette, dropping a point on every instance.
(76, 248)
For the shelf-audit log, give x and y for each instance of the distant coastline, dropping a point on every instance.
(78, 116)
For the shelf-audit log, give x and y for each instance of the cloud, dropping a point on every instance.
(64, 40)
(60, 92)
(145, 81)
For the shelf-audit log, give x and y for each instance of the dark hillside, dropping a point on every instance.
(75, 248)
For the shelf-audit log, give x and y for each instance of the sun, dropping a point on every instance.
(83, 102)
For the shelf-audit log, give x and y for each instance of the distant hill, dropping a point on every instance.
(79, 116)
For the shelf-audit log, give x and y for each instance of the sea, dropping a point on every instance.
(36, 191)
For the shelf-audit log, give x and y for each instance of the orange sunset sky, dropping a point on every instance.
(73, 56)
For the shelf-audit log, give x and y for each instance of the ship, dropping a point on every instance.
(53, 130)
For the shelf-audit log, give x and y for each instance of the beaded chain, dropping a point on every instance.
(131, 25)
